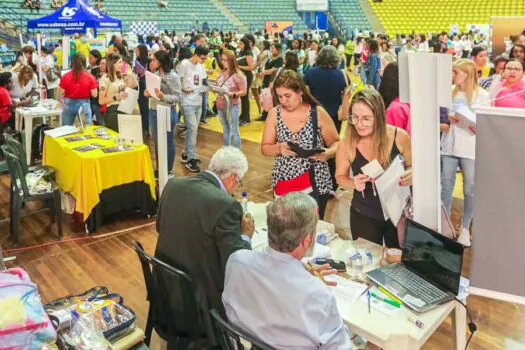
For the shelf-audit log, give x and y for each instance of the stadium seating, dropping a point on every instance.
(422, 16)
(349, 15)
(255, 13)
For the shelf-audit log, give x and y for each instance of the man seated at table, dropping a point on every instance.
(271, 295)
(200, 224)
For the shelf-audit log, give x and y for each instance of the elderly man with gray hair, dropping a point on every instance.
(271, 295)
(200, 224)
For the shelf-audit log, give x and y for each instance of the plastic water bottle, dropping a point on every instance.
(244, 202)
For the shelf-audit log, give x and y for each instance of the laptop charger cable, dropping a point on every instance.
(471, 325)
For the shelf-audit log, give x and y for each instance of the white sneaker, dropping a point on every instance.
(464, 237)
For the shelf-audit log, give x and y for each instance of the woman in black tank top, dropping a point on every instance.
(369, 138)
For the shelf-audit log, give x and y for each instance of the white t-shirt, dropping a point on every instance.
(192, 76)
(18, 92)
(459, 141)
(423, 47)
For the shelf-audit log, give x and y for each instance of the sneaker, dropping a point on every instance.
(193, 166)
(184, 158)
(464, 237)
(170, 174)
(244, 123)
(204, 121)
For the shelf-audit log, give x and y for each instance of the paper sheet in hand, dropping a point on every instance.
(373, 169)
(218, 89)
(128, 105)
(392, 195)
(346, 292)
(466, 116)
(152, 83)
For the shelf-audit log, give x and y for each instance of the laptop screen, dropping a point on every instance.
(435, 257)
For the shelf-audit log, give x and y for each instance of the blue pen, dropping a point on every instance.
(368, 294)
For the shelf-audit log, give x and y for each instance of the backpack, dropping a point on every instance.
(37, 140)
(23, 323)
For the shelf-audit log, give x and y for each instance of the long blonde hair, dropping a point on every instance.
(373, 100)
(471, 80)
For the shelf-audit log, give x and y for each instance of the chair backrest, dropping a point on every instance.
(231, 337)
(19, 150)
(178, 306)
(16, 171)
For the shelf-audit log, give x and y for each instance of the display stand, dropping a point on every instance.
(425, 83)
(163, 120)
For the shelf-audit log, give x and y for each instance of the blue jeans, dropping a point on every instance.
(231, 127)
(192, 116)
(169, 135)
(449, 165)
(71, 107)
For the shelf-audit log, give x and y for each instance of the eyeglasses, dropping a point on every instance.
(517, 69)
(240, 181)
(365, 121)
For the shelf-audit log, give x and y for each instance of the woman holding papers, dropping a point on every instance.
(370, 140)
(112, 88)
(458, 144)
(300, 122)
(231, 84)
(511, 92)
(77, 86)
(169, 94)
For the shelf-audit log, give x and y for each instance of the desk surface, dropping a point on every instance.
(375, 327)
(43, 108)
(86, 174)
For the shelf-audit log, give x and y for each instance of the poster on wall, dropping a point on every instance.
(479, 29)
(278, 26)
(502, 28)
(454, 29)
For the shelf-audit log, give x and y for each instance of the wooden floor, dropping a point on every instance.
(80, 262)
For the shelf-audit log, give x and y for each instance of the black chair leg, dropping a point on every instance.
(11, 204)
(149, 327)
(15, 218)
(57, 203)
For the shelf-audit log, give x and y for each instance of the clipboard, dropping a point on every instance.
(304, 153)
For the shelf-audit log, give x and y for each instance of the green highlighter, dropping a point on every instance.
(388, 301)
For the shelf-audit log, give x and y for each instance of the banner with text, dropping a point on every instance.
(312, 5)
(278, 26)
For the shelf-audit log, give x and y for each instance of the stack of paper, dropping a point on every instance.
(61, 131)
(378, 304)
(346, 291)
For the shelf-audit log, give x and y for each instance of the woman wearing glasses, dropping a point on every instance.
(511, 92)
(369, 138)
(299, 119)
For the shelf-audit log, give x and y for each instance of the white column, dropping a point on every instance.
(163, 123)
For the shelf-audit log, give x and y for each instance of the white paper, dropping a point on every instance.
(392, 195)
(130, 128)
(128, 104)
(379, 305)
(320, 251)
(346, 292)
(466, 116)
(218, 89)
(311, 58)
(373, 169)
(259, 238)
(61, 131)
(152, 83)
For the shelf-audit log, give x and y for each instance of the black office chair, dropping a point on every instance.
(178, 309)
(230, 336)
(21, 194)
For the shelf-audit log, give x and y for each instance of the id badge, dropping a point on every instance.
(196, 80)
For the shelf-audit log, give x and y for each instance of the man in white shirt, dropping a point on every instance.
(271, 295)
(193, 78)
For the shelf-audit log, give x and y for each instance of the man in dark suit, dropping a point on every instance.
(200, 224)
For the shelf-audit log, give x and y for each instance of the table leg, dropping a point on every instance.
(28, 122)
(18, 121)
(460, 323)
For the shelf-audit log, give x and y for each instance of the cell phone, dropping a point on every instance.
(338, 265)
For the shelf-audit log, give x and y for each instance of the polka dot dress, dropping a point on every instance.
(287, 168)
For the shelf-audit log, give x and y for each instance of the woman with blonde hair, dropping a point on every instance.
(458, 144)
(298, 118)
(370, 138)
(233, 80)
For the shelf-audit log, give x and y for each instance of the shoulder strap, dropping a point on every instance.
(315, 125)
(345, 76)
(277, 74)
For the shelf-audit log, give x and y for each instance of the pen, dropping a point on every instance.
(387, 301)
(368, 294)
(416, 322)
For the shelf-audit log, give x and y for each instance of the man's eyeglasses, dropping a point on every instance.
(239, 180)
(365, 121)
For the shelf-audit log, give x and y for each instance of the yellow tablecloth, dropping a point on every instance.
(86, 174)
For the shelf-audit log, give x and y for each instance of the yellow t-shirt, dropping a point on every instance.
(485, 72)
(58, 56)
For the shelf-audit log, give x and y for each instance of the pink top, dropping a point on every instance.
(235, 83)
(517, 98)
(398, 114)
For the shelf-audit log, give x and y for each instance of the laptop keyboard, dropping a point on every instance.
(415, 284)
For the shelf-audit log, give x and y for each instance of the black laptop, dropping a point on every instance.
(429, 272)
